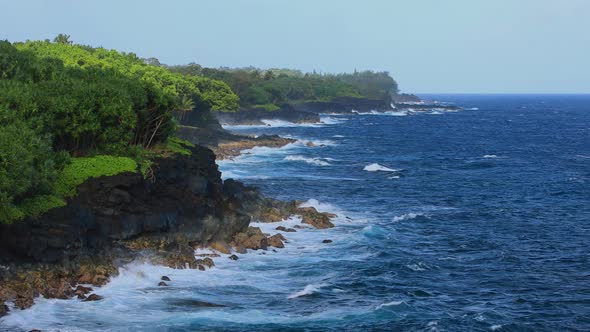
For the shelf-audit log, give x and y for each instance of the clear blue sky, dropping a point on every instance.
(489, 46)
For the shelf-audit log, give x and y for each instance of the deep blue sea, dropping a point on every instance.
(476, 220)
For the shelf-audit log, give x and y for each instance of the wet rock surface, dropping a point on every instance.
(276, 241)
(285, 229)
(93, 297)
(252, 238)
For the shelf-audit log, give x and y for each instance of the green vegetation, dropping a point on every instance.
(37, 205)
(72, 112)
(267, 107)
(272, 88)
(110, 110)
(82, 169)
(179, 146)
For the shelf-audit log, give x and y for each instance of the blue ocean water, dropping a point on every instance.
(475, 220)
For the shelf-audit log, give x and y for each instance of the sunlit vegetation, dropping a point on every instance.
(71, 112)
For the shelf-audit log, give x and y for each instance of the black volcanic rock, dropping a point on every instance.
(116, 219)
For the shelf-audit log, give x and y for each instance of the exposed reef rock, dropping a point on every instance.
(229, 150)
(266, 209)
(115, 220)
(205, 130)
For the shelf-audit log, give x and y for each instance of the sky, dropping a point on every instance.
(428, 46)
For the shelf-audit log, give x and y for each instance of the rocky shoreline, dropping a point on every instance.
(116, 220)
(309, 112)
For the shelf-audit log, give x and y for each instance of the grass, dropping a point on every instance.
(82, 169)
(179, 146)
(36, 206)
(267, 107)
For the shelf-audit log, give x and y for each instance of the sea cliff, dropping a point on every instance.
(116, 219)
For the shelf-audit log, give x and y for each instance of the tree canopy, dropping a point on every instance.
(59, 99)
(257, 87)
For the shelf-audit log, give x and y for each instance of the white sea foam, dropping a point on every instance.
(321, 207)
(308, 290)
(281, 123)
(418, 267)
(332, 120)
(389, 304)
(376, 168)
(495, 327)
(338, 136)
(241, 175)
(390, 113)
(312, 161)
(490, 156)
(407, 216)
(271, 123)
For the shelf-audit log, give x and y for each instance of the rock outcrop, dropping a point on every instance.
(114, 220)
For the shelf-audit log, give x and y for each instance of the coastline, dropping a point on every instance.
(25, 281)
(235, 207)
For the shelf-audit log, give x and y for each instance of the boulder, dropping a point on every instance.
(165, 278)
(285, 229)
(220, 246)
(208, 262)
(83, 289)
(317, 219)
(161, 283)
(276, 241)
(233, 257)
(3, 309)
(327, 241)
(252, 238)
(93, 297)
(23, 302)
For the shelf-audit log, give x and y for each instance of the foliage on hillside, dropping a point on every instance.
(59, 99)
(257, 88)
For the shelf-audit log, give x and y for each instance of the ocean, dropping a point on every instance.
(471, 220)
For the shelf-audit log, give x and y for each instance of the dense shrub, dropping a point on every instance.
(109, 109)
(27, 164)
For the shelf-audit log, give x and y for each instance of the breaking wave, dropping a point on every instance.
(374, 167)
(312, 161)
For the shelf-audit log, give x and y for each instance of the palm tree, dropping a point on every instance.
(185, 105)
(62, 39)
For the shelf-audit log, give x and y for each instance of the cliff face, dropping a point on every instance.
(116, 219)
(185, 195)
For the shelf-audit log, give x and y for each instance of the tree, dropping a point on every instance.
(62, 39)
